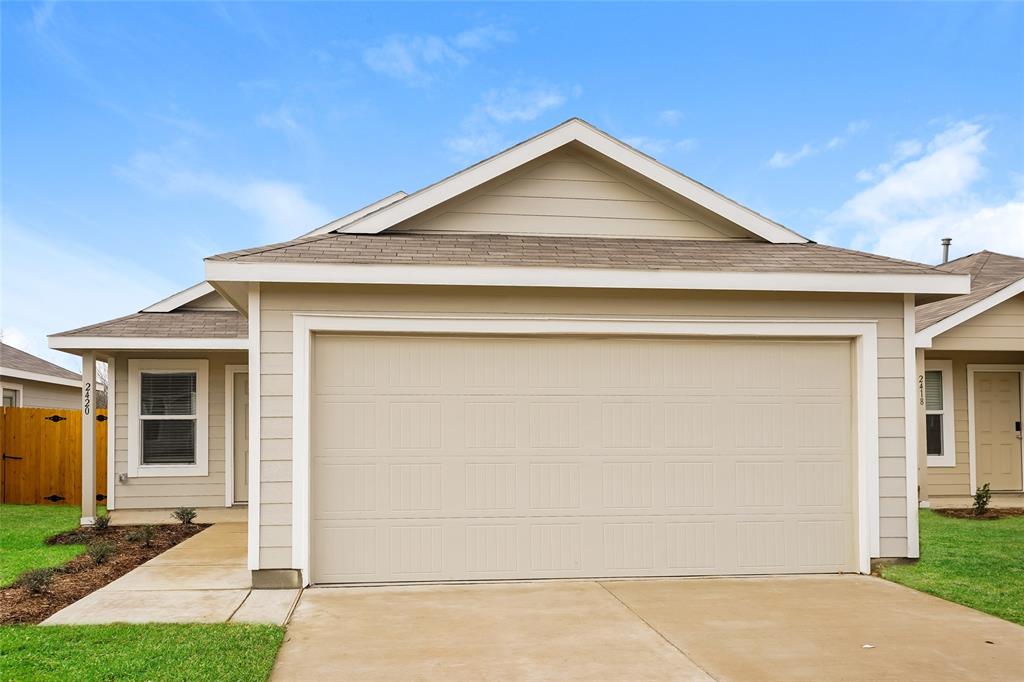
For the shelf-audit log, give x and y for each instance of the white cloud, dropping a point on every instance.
(480, 132)
(670, 117)
(916, 201)
(901, 151)
(516, 104)
(781, 159)
(951, 165)
(656, 146)
(52, 285)
(282, 207)
(787, 159)
(281, 120)
(419, 60)
(483, 37)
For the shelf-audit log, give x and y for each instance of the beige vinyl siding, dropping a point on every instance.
(279, 302)
(999, 328)
(572, 193)
(159, 492)
(955, 481)
(42, 394)
(211, 301)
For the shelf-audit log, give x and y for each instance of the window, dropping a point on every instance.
(167, 417)
(12, 396)
(940, 441)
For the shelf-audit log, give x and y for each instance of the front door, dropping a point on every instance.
(997, 429)
(241, 436)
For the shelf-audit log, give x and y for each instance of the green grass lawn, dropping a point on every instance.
(975, 563)
(24, 527)
(139, 652)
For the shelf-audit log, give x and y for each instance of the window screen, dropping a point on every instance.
(168, 414)
(933, 390)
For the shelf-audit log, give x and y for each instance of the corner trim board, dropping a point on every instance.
(863, 332)
(255, 446)
(910, 424)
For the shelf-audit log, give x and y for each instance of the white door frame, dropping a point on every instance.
(229, 431)
(971, 371)
(864, 334)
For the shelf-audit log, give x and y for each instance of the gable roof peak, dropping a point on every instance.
(572, 130)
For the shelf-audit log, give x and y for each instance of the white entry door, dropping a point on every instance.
(443, 458)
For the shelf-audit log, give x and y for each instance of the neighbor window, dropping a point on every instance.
(938, 413)
(12, 397)
(168, 415)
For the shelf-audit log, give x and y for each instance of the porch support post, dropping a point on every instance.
(922, 437)
(88, 438)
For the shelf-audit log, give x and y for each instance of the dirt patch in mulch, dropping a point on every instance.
(83, 575)
(989, 515)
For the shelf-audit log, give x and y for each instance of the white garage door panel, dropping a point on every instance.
(478, 458)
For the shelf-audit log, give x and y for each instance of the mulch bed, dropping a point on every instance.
(989, 515)
(83, 575)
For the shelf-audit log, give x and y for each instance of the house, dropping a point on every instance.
(970, 357)
(566, 360)
(30, 381)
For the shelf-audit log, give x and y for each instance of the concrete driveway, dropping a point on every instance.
(800, 628)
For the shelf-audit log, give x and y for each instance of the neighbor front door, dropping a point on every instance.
(241, 436)
(996, 429)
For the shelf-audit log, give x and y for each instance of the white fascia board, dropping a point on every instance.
(924, 338)
(143, 343)
(352, 217)
(179, 299)
(36, 376)
(574, 130)
(329, 273)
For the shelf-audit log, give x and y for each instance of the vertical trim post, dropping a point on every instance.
(88, 516)
(910, 423)
(254, 427)
(111, 431)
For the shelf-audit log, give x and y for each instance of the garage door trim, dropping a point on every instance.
(863, 333)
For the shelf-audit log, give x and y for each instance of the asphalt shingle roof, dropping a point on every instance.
(202, 324)
(396, 248)
(13, 358)
(990, 273)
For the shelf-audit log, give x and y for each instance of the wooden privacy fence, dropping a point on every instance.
(42, 461)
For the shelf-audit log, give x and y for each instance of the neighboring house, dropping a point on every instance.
(30, 381)
(971, 369)
(567, 360)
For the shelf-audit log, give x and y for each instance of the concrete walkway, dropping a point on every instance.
(202, 580)
(794, 629)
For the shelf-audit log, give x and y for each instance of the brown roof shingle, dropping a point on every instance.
(990, 273)
(202, 324)
(397, 248)
(14, 358)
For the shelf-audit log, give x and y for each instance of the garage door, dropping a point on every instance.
(449, 458)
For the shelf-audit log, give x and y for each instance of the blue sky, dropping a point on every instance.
(139, 138)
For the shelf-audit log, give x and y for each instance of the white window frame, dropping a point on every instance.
(201, 467)
(18, 389)
(948, 456)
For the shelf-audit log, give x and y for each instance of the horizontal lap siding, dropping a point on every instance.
(998, 329)
(40, 394)
(279, 302)
(160, 492)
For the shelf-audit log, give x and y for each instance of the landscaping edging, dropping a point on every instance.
(82, 575)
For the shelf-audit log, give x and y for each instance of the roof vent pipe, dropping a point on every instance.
(946, 241)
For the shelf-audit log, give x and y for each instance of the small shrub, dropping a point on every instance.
(185, 514)
(981, 500)
(102, 522)
(37, 580)
(143, 534)
(101, 551)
